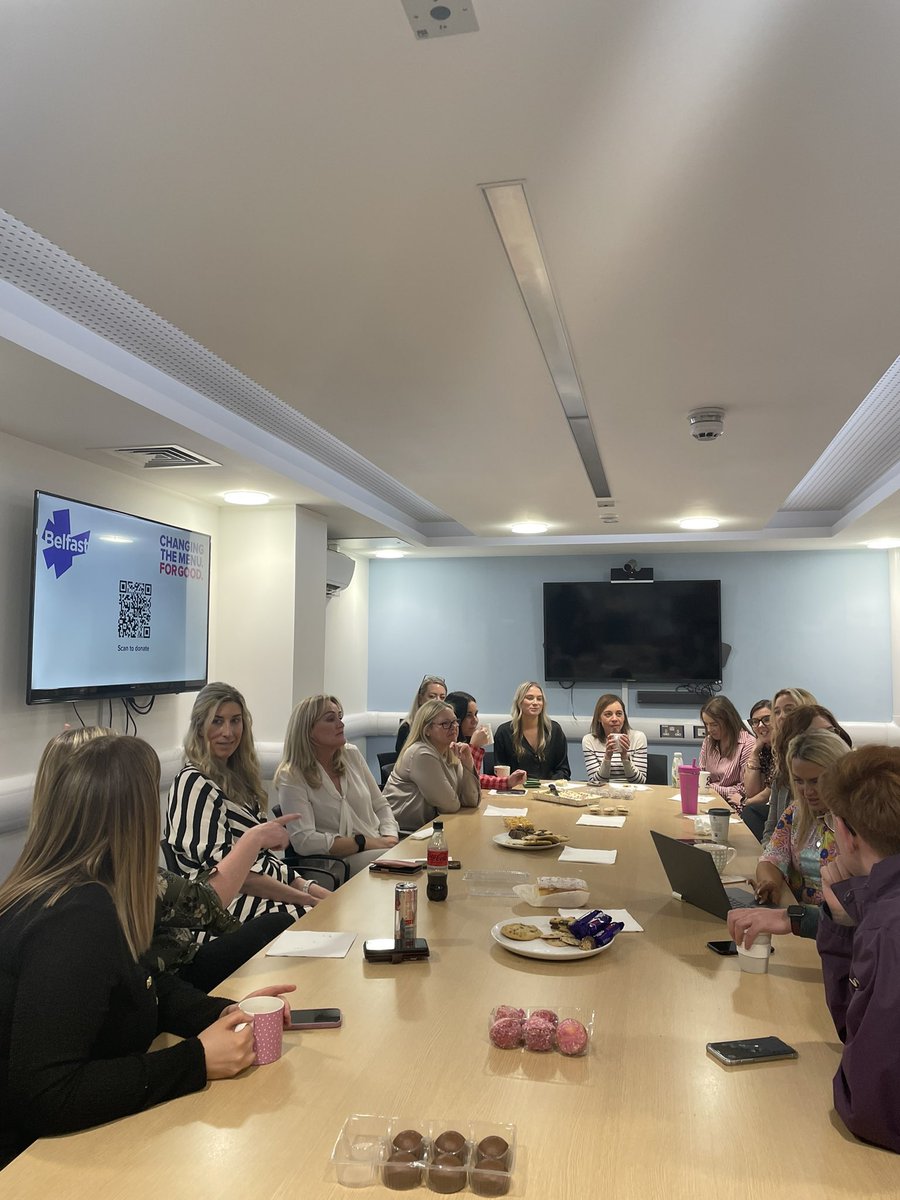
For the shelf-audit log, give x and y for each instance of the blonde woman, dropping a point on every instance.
(531, 742)
(78, 1009)
(435, 772)
(218, 797)
(185, 907)
(325, 780)
(432, 687)
(802, 841)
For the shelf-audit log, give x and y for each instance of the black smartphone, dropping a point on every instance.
(386, 950)
(397, 866)
(722, 947)
(315, 1018)
(735, 1054)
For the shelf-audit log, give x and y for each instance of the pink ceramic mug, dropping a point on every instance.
(267, 1015)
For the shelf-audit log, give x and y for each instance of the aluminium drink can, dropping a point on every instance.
(406, 903)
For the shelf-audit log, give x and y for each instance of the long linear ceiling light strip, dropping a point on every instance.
(512, 216)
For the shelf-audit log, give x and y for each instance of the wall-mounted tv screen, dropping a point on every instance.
(666, 632)
(119, 604)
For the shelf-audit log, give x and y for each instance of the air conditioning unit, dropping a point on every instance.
(338, 572)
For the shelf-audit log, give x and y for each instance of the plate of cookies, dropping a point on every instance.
(548, 938)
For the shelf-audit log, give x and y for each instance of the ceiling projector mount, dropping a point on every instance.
(707, 424)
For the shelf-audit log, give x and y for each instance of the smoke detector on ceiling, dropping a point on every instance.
(429, 20)
(707, 424)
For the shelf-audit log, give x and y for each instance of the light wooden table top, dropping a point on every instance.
(646, 1114)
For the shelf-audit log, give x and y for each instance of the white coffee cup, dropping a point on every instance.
(756, 959)
(704, 781)
(721, 855)
(501, 772)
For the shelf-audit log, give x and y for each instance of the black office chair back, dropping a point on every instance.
(386, 763)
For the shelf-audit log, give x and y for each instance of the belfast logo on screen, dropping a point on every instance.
(61, 546)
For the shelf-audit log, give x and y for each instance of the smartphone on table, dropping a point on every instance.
(315, 1018)
(735, 1054)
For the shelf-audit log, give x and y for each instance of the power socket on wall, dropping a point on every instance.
(674, 732)
(700, 731)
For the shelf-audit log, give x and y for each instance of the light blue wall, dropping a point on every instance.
(818, 620)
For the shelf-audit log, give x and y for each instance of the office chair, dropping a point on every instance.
(311, 864)
(658, 768)
(386, 762)
(487, 763)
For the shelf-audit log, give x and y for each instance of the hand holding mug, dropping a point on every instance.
(227, 1049)
(612, 744)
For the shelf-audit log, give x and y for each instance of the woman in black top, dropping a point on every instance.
(78, 1011)
(531, 742)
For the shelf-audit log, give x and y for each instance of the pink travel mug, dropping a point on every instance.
(689, 782)
(267, 1015)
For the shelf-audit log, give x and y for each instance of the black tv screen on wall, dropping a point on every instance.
(665, 632)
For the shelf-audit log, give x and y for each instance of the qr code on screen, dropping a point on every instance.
(134, 609)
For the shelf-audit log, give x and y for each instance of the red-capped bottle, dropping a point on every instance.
(437, 862)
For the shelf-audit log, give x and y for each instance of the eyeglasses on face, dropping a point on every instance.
(760, 722)
(446, 724)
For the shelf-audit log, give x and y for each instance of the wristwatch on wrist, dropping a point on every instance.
(795, 914)
(360, 839)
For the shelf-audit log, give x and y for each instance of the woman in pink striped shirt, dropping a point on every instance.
(726, 749)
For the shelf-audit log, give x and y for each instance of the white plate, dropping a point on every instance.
(503, 839)
(538, 949)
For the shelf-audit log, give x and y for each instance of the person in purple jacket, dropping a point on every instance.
(859, 939)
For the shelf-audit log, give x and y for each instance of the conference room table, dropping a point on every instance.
(646, 1113)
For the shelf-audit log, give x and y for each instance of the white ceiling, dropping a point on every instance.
(295, 186)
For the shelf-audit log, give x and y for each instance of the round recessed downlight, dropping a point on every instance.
(883, 544)
(529, 527)
(699, 523)
(389, 554)
(247, 498)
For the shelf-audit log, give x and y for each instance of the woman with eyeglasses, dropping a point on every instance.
(759, 770)
(435, 772)
(478, 736)
(725, 750)
(531, 742)
(343, 814)
(802, 840)
(432, 687)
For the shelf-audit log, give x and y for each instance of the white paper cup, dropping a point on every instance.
(756, 959)
(704, 781)
(501, 772)
(721, 855)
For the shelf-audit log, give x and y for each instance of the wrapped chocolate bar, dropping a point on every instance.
(591, 924)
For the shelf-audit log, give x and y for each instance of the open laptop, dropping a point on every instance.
(693, 876)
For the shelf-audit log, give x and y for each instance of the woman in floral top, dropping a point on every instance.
(801, 842)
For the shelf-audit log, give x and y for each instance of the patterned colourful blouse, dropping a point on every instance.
(801, 865)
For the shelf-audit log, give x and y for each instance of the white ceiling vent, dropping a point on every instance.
(156, 458)
(430, 20)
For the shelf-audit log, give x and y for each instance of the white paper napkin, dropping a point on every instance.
(603, 822)
(617, 914)
(574, 854)
(421, 834)
(303, 943)
(494, 810)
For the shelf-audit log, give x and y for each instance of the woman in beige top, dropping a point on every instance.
(435, 773)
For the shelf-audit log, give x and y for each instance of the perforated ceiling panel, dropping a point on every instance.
(866, 448)
(35, 265)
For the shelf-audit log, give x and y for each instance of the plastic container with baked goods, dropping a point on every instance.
(571, 1043)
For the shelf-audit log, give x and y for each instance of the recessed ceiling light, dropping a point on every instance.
(246, 497)
(389, 554)
(884, 544)
(698, 523)
(529, 527)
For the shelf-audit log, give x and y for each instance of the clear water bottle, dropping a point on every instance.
(437, 863)
(677, 762)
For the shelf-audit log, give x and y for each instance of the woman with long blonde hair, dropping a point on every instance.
(530, 741)
(324, 779)
(802, 841)
(432, 687)
(435, 772)
(218, 797)
(78, 1009)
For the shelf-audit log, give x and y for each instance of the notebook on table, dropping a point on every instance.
(693, 877)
